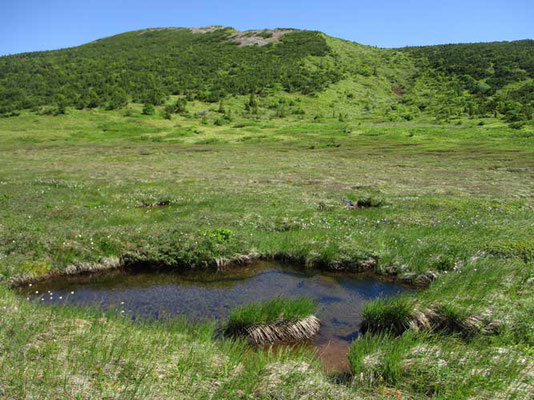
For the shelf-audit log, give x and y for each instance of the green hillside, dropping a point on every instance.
(483, 78)
(215, 63)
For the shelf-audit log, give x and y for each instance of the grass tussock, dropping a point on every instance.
(390, 315)
(449, 319)
(282, 332)
(468, 345)
(276, 321)
(278, 309)
(396, 315)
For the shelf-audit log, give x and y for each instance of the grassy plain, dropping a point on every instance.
(454, 199)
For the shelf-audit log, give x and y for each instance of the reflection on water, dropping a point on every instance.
(203, 295)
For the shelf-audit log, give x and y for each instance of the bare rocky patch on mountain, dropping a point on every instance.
(259, 37)
(255, 37)
(207, 29)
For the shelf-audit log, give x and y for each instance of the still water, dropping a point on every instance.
(212, 295)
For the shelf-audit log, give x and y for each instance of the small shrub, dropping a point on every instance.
(219, 235)
(281, 112)
(10, 114)
(517, 125)
(368, 202)
(362, 202)
(148, 109)
(168, 111)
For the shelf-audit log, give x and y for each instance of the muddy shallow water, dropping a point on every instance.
(212, 295)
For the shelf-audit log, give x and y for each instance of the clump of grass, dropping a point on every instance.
(433, 366)
(444, 262)
(276, 310)
(451, 319)
(389, 315)
(276, 321)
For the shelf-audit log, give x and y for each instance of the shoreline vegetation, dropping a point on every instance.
(324, 154)
(108, 264)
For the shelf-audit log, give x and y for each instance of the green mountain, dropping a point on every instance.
(214, 63)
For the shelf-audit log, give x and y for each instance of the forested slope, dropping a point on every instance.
(146, 66)
(483, 78)
(210, 64)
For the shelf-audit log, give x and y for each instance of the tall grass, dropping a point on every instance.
(430, 366)
(375, 358)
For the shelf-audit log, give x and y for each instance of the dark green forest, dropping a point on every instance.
(483, 79)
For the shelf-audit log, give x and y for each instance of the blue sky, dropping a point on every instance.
(29, 25)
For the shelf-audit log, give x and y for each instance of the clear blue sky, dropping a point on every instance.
(28, 25)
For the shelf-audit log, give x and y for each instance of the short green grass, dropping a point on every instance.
(275, 310)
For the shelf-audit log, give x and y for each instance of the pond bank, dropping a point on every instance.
(211, 295)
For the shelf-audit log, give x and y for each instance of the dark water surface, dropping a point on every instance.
(212, 295)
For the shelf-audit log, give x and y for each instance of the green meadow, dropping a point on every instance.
(445, 206)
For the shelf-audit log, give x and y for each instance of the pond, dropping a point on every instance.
(201, 295)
